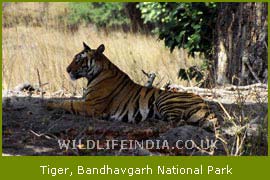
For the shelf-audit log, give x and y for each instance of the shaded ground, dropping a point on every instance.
(30, 129)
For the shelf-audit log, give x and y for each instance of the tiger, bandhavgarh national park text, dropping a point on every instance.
(111, 93)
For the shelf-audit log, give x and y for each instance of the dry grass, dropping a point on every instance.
(29, 47)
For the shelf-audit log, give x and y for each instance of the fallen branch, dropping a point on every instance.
(227, 94)
(46, 135)
(248, 87)
(225, 90)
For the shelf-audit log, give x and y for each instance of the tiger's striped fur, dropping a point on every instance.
(111, 93)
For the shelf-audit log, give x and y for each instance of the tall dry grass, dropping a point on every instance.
(28, 47)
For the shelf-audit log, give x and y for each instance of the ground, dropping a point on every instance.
(30, 129)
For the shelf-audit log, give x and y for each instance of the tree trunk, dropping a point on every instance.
(240, 52)
(134, 15)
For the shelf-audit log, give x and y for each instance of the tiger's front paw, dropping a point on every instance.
(50, 105)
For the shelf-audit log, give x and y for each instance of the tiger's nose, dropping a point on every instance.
(68, 69)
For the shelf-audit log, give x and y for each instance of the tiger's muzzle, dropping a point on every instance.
(73, 75)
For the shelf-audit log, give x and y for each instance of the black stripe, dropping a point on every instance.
(138, 117)
(178, 104)
(105, 78)
(171, 107)
(94, 77)
(125, 118)
(131, 98)
(183, 102)
(125, 106)
(91, 62)
(147, 91)
(151, 100)
(137, 104)
(193, 111)
(117, 109)
(72, 108)
(170, 96)
(151, 106)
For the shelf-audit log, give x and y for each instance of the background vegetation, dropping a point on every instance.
(46, 36)
(231, 37)
(182, 25)
(103, 15)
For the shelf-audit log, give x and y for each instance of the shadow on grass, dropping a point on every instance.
(30, 129)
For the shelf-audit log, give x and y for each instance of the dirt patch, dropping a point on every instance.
(30, 129)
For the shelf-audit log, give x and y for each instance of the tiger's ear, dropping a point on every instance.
(100, 49)
(86, 47)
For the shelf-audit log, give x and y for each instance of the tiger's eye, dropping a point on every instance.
(77, 61)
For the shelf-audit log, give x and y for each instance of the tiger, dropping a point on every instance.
(111, 93)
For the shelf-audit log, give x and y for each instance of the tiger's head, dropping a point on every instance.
(88, 63)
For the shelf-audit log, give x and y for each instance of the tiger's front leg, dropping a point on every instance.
(80, 107)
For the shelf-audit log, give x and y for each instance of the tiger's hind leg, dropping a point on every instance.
(204, 118)
(200, 116)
